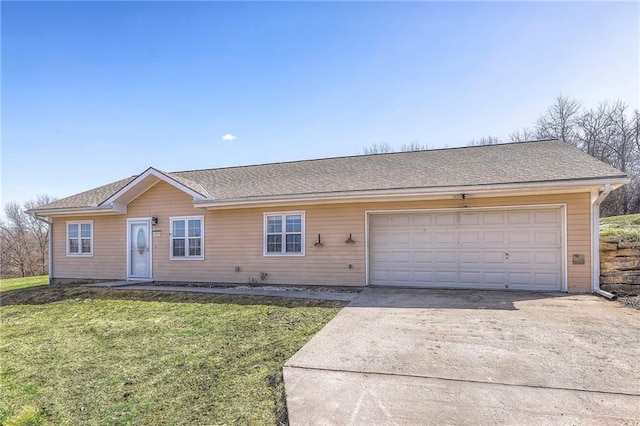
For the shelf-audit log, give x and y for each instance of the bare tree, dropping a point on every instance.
(40, 231)
(621, 147)
(635, 128)
(413, 146)
(595, 128)
(485, 140)
(24, 247)
(16, 243)
(559, 122)
(609, 132)
(375, 148)
(523, 135)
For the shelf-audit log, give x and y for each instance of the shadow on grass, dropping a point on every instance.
(60, 292)
(369, 298)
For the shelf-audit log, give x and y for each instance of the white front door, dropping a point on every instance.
(139, 249)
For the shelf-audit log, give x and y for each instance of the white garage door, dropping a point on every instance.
(490, 249)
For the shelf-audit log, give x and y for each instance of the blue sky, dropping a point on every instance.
(96, 91)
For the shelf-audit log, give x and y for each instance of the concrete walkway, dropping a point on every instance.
(240, 290)
(411, 357)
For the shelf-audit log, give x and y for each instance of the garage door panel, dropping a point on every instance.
(400, 276)
(423, 238)
(378, 275)
(398, 257)
(549, 258)
(424, 276)
(493, 237)
(521, 217)
(470, 277)
(520, 257)
(495, 278)
(400, 238)
(446, 219)
(493, 218)
(544, 282)
(421, 258)
(446, 277)
(423, 220)
(519, 278)
(546, 216)
(446, 238)
(399, 221)
(446, 257)
(515, 249)
(380, 259)
(470, 258)
(548, 238)
(520, 238)
(469, 237)
(379, 239)
(467, 219)
(546, 279)
(493, 257)
(379, 221)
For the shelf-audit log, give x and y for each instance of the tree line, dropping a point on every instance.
(609, 132)
(24, 240)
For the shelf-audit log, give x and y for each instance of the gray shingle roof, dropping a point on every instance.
(524, 162)
(92, 197)
(191, 184)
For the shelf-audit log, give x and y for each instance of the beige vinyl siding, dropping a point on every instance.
(234, 237)
(108, 260)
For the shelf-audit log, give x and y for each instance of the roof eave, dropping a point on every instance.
(80, 211)
(406, 194)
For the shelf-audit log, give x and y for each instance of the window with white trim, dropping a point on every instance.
(80, 238)
(187, 238)
(284, 234)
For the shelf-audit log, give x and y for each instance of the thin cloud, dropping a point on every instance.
(228, 137)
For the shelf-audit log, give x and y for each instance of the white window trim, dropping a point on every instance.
(79, 223)
(302, 238)
(186, 256)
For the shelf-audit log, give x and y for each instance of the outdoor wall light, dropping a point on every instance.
(154, 220)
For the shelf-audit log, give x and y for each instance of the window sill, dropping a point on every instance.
(187, 258)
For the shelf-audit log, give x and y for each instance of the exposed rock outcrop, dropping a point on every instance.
(619, 261)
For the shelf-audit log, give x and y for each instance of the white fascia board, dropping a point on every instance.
(151, 172)
(78, 211)
(414, 194)
(119, 208)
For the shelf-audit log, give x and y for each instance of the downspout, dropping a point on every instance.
(50, 241)
(595, 240)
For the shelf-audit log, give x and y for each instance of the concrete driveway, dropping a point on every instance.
(396, 356)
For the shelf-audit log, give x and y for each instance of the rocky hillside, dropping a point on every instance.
(620, 252)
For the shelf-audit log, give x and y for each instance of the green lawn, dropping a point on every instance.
(73, 355)
(16, 283)
(627, 226)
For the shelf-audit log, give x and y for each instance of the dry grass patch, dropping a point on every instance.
(75, 355)
(627, 226)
